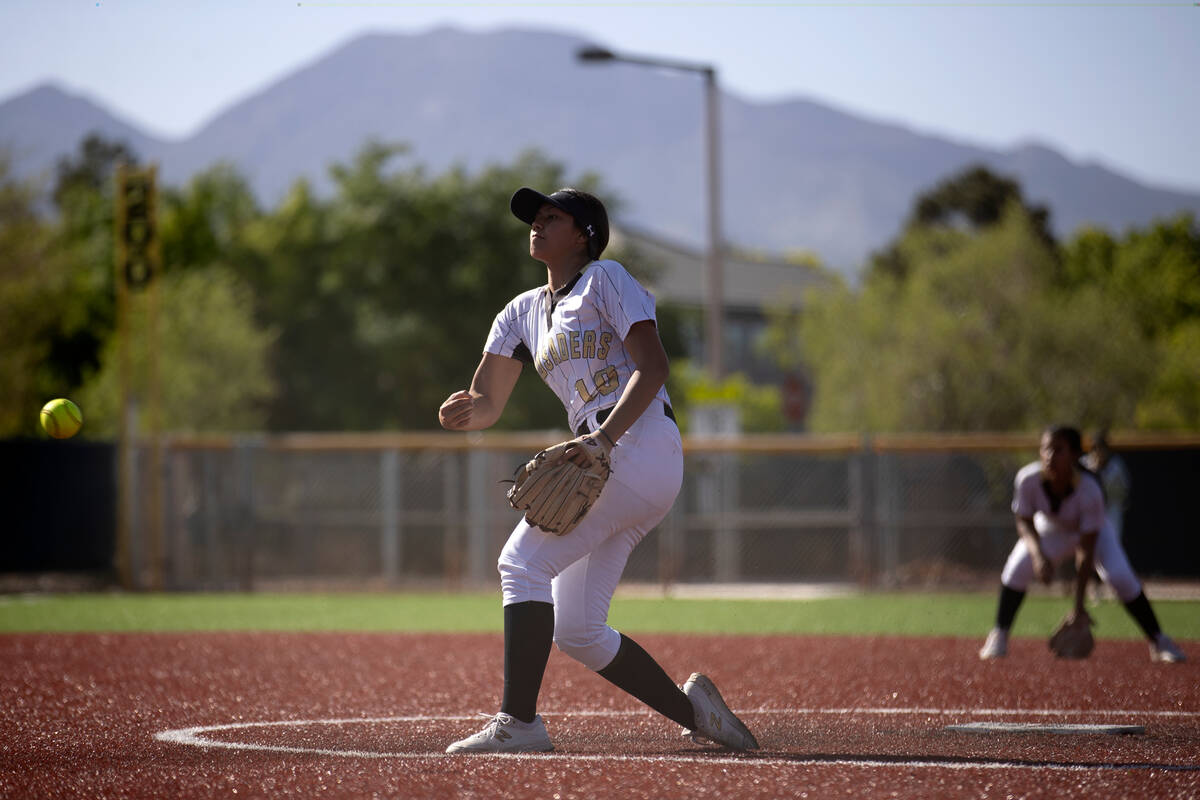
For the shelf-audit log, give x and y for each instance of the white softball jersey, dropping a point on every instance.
(575, 340)
(575, 337)
(1059, 528)
(1080, 511)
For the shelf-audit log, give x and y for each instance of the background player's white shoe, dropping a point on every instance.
(506, 734)
(1164, 649)
(996, 645)
(714, 721)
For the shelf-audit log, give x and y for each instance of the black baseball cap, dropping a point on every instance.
(587, 210)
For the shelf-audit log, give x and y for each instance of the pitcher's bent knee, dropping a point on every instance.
(1018, 570)
(1126, 586)
(519, 583)
(595, 651)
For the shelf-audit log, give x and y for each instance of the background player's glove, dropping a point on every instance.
(554, 492)
(1073, 637)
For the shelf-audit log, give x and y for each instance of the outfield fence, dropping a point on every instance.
(399, 509)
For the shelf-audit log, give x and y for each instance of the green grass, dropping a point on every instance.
(910, 614)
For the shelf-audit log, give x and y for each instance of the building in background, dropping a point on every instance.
(676, 275)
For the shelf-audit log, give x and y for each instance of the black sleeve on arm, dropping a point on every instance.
(521, 353)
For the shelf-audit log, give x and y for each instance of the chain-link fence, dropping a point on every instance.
(396, 510)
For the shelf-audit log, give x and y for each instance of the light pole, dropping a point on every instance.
(714, 336)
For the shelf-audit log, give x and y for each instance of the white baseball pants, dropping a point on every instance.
(579, 572)
(1111, 562)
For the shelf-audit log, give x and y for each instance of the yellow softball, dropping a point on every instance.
(61, 418)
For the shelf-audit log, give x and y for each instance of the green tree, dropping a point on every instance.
(1154, 275)
(1156, 270)
(212, 359)
(83, 196)
(971, 201)
(57, 293)
(204, 222)
(976, 336)
(33, 285)
(89, 171)
(974, 318)
(57, 300)
(384, 293)
(213, 356)
(1172, 400)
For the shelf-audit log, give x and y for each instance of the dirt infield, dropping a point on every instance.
(368, 715)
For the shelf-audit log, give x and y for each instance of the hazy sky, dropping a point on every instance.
(1110, 82)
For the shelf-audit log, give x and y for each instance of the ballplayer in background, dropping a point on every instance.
(1114, 477)
(591, 335)
(1059, 510)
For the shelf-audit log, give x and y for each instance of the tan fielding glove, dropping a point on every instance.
(554, 492)
(1073, 638)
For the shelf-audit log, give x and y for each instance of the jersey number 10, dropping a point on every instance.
(607, 380)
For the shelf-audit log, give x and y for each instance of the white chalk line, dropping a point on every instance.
(983, 712)
(196, 737)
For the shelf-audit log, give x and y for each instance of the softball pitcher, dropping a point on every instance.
(591, 335)
(1059, 510)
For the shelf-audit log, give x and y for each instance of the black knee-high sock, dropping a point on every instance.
(1006, 611)
(634, 671)
(528, 634)
(1139, 608)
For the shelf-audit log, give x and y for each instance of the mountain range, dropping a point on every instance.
(796, 174)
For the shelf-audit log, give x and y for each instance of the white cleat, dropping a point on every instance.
(714, 721)
(996, 645)
(1165, 650)
(506, 734)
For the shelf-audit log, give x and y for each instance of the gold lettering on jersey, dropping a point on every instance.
(589, 345)
(561, 354)
(544, 363)
(605, 343)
